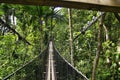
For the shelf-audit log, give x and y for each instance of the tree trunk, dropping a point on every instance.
(71, 36)
(106, 33)
(40, 29)
(99, 48)
(41, 34)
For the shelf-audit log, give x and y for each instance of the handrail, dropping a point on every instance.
(69, 63)
(55, 52)
(10, 75)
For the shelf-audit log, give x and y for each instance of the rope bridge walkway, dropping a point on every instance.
(49, 65)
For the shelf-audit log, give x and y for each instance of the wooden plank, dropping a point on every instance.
(99, 2)
(101, 5)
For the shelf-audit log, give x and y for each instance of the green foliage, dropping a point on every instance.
(36, 23)
(85, 46)
(14, 51)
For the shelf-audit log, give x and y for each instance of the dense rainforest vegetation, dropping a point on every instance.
(26, 30)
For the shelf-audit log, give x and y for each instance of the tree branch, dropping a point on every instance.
(13, 30)
(117, 16)
(85, 28)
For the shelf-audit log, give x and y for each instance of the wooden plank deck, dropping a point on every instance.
(51, 66)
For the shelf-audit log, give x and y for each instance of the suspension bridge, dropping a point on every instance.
(49, 65)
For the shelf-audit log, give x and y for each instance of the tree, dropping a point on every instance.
(99, 49)
(71, 35)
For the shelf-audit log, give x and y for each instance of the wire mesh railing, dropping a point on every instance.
(34, 70)
(65, 71)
